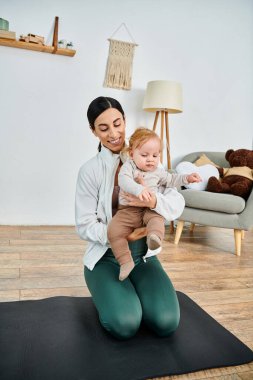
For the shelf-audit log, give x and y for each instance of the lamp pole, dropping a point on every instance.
(164, 115)
(164, 124)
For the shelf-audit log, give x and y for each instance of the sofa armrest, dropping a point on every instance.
(246, 217)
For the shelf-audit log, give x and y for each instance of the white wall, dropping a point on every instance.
(44, 137)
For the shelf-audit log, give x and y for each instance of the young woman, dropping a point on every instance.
(147, 294)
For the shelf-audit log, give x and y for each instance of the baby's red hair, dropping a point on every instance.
(141, 136)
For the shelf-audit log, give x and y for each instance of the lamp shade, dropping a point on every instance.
(163, 95)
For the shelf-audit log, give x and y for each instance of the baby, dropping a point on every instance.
(141, 176)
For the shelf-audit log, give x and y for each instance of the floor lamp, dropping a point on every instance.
(163, 97)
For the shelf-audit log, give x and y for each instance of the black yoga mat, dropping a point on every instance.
(60, 338)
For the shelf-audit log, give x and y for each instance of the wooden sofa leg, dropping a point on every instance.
(238, 241)
(243, 234)
(179, 230)
(192, 227)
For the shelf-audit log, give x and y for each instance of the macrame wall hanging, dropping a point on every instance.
(120, 62)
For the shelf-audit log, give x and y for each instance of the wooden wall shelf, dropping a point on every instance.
(35, 47)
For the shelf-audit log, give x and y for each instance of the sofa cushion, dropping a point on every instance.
(204, 171)
(204, 160)
(205, 200)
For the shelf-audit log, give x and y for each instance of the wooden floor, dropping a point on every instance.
(39, 262)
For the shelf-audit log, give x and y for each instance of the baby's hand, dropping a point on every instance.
(145, 195)
(194, 177)
(139, 179)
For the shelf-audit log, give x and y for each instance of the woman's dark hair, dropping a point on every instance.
(98, 106)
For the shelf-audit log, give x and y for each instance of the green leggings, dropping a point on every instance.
(147, 294)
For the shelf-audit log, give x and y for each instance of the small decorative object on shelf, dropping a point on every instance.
(4, 30)
(7, 34)
(70, 45)
(4, 24)
(32, 38)
(61, 44)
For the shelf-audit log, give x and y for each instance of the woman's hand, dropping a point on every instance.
(139, 179)
(134, 201)
(137, 234)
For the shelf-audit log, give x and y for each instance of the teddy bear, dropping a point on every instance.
(238, 179)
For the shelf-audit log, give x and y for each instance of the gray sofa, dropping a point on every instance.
(213, 209)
